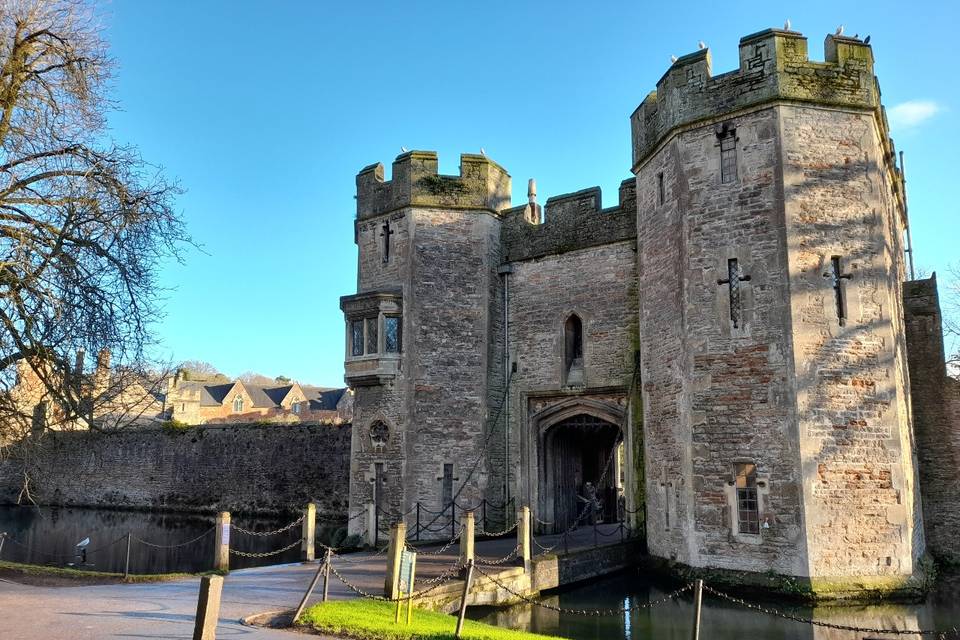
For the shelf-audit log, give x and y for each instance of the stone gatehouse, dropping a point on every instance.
(721, 352)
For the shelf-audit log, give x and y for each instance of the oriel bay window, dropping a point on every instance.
(374, 336)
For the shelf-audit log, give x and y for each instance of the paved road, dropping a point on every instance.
(166, 610)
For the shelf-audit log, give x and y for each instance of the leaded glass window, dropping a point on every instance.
(728, 157)
(373, 342)
(356, 337)
(391, 334)
(748, 506)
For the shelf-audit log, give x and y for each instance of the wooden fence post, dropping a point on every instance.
(221, 549)
(697, 602)
(398, 541)
(463, 600)
(208, 608)
(372, 525)
(126, 565)
(467, 537)
(523, 536)
(308, 532)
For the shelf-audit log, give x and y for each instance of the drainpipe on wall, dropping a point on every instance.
(505, 270)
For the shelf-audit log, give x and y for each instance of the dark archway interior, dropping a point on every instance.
(579, 450)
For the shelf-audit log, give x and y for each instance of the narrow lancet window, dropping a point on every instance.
(379, 479)
(573, 349)
(734, 277)
(728, 154)
(385, 233)
(837, 276)
(660, 195)
(748, 506)
(447, 487)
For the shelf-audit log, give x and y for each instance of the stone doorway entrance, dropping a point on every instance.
(578, 450)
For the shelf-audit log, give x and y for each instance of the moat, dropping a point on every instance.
(720, 620)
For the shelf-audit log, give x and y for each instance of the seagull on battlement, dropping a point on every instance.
(404, 149)
(786, 25)
(839, 31)
(701, 45)
(482, 152)
(673, 59)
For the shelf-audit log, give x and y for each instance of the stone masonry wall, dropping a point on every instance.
(240, 468)
(716, 394)
(852, 393)
(599, 285)
(936, 419)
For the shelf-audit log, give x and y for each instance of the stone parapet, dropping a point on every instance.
(571, 221)
(482, 184)
(773, 66)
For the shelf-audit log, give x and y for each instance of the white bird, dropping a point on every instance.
(482, 152)
(673, 59)
(83, 543)
(786, 25)
(839, 31)
(701, 45)
(403, 149)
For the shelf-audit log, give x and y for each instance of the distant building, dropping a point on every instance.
(107, 398)
(213, 401)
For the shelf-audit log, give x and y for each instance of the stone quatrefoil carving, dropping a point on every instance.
(379, 434)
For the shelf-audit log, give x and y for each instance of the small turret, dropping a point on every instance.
(482, 184)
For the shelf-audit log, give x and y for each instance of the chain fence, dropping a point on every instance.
(173, 546)
(264, 534)
(939, 634)
(264, 554)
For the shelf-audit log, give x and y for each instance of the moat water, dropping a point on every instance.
(49, 536)
(719, 620)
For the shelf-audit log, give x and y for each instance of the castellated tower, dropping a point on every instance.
(770, 261)
(418, 355)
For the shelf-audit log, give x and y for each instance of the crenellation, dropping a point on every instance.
(571, 221)
(482, 184)
(774, 65)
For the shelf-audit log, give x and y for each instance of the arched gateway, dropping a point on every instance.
(579, 462)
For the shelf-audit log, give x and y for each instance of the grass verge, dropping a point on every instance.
(372, 620)
(40, 575)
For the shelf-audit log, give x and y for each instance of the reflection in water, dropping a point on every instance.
(49, 536)
(720, 620)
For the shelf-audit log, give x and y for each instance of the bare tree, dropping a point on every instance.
(84, 222)
(201, 369)
(252, 377)
(951, 322)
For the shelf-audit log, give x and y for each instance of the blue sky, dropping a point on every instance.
(265, 111)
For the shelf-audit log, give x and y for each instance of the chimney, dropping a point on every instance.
(78, 365)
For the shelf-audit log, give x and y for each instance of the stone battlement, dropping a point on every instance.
(773, 66)
(571, 221)
(482, 184)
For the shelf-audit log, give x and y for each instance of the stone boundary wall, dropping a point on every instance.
(238, 468)
(936, 418)
(571, 221)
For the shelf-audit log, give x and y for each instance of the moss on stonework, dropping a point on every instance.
(442, 185)
(859, 589)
